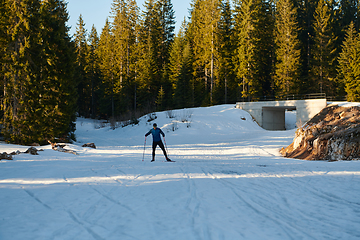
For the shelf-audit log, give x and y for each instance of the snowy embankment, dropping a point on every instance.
(228, 182)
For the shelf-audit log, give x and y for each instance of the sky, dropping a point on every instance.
(95, 12)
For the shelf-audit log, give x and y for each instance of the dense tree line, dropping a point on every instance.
(225, 51)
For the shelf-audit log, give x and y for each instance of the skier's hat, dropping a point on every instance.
(154, 125)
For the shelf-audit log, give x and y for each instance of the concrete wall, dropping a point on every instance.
(271, 115)
(273, 118)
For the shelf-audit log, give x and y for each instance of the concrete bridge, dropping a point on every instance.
(271, 114)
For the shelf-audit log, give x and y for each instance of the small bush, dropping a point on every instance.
(186, 115)
(170, 114)
(151, 117)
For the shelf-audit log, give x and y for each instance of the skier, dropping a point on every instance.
(157, 141)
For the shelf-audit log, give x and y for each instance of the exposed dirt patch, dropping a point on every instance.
(333, 134)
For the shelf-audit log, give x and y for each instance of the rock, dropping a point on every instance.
(32, 151)
(15, 153)
(90, 145)
(5, 156)
(333, 134)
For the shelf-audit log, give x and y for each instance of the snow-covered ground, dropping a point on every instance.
(228, 182)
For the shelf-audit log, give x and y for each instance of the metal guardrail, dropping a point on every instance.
(284, 97)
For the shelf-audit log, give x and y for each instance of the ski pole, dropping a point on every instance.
(166, 147)
(144, 149)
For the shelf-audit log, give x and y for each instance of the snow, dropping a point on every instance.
(228, 182)
(290, 119)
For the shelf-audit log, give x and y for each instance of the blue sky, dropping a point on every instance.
(95, 12)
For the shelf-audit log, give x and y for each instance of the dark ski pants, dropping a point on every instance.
(161, 145)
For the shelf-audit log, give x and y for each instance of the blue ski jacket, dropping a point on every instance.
(156, 134)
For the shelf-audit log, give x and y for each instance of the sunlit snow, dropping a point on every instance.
(228, 182)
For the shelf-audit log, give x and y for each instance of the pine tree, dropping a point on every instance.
(287, 68)
(349, 62)
(323, 69)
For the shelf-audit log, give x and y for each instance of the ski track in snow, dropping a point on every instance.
(228, 182)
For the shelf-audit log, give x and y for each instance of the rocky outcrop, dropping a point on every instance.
(333, 134)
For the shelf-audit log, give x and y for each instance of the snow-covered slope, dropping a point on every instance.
(228, 182)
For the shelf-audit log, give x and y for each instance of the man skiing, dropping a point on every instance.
(155, 131)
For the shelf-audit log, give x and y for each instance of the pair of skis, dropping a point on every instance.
(166, 151)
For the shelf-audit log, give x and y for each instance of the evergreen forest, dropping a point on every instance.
(225, 51)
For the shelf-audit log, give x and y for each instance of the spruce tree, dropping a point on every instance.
(204, 39)
(246, 19)
(131, 90)
(59, 85)
(3, 44)
(3, 24)
(148, 72)
(155, 38)
(226, 83)
(19, 70)
(106, 58)
(348, 12)
(349, 62)
(124, 32)
(93, 70)
(305, 19)
(180, 70)
(121, 33)
(84, 86)
(287, 68)
(265, 52)
(165, 13)
(39, 97)
(323, 70)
